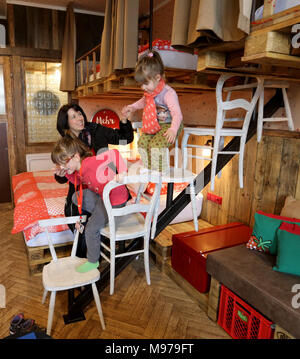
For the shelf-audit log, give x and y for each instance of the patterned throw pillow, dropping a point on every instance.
(264, 235)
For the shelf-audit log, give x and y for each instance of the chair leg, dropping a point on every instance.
(51, 311)
(260, 115)
(98, 305)
(193, 203)
(44, 296)
(214, 162)
(154, 221)
(146, 259)
(241, 161)
(288, 110)
(112, 267)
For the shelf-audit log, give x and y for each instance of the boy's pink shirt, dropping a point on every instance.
(171, 101)
(96, 174)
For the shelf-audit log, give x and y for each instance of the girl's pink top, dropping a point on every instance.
(96, 173)
(170, 100)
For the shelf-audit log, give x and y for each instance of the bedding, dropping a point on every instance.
(37, 196)
(171, 57)
(185, 215)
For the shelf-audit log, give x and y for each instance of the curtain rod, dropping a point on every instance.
(52, 7)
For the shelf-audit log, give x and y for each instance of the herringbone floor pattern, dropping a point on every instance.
(135, 311)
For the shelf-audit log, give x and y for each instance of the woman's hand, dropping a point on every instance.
(61, 172)
(170, 135)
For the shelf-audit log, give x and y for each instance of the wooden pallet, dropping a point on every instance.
(39, 256)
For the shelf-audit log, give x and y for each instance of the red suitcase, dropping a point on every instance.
(190, 249)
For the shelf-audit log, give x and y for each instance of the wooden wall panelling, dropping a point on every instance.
(11, 25)
(297, 192)
(55, 27)
(33, 27)
(258, 175)
(288, 178)
(271, 172)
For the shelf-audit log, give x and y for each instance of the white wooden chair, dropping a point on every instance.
(60, 273)
(128, 223)
(220, 131)
(261, 119)
(179, 174)
(175, 174)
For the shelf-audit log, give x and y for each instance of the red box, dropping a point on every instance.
(190, 249)
(240, 320)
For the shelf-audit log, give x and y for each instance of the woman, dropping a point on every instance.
(96, 137)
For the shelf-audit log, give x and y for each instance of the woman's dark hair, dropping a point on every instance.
(62, 124)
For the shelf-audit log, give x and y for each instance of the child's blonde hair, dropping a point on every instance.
(67, 147)
(148, 66)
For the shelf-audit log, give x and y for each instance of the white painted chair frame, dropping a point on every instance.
(128, 223)
(220, 131)
(175, 174)
(260, 120)
(69, 263)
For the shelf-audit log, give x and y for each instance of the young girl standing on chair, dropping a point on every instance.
(157, 134)
(82, 168)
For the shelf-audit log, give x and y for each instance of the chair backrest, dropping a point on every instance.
(135, 206)
(223, 106)
(192, 150)
(45, 223)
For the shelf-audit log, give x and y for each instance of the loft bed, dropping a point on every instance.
(266, 51)
(181, 73)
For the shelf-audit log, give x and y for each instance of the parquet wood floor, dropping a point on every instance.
(136, 310)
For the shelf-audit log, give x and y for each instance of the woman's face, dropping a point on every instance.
(75, 121)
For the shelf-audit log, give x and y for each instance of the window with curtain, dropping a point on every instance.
(43, 100)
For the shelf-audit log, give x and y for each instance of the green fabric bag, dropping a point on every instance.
(265, 229)
(288, 256)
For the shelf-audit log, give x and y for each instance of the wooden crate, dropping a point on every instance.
(214, 299)
(281, 333)
(211, 59)
(39, 256)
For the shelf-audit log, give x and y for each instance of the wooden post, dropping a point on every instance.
(213, 299)
(87, 70)
(94, 64)
(55, 40)
(11, 25)
(269, 6)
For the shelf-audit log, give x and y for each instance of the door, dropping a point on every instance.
(5, 189)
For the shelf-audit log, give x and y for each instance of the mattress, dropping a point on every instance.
(280, 5)
(187, 213)
(56, 238)
(37, 196)
(171, 57)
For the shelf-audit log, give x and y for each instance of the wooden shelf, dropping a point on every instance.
(274, 59)
(123, 84)
(281, 21)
